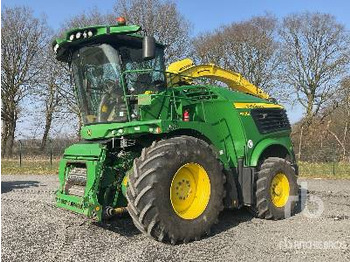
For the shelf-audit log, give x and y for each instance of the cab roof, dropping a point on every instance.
(111, 34)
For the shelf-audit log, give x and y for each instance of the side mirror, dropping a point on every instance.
(148, 47)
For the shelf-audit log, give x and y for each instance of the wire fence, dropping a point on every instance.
(29, 156)
(325, 169)
(31, 150)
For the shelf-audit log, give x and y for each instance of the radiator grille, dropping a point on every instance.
(270, 120)
(76, 182)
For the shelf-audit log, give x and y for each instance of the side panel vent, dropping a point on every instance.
(196, 94)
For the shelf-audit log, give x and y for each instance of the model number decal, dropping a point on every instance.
(245, 113)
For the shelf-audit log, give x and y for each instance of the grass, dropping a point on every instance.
(324, 170)
(43, 167)
(29, 167)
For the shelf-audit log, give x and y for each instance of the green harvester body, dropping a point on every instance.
(93, 174)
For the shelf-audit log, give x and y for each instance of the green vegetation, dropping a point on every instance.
(324, 170)
(29, 167)
(43, 167)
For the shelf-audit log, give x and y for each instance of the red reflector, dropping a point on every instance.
(186, 116)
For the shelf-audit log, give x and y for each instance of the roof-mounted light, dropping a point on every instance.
(121, 20)
(55, 48)
(81, 35)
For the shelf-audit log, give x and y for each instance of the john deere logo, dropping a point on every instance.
(250, 144)
(89, 132)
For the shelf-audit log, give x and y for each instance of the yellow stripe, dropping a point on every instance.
(256, 105)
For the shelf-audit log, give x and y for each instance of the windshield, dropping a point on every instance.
(97, 72)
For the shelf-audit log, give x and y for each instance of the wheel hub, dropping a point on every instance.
(183, 189)
(190, 191)
(279, 190)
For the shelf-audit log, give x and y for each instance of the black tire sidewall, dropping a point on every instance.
(190, 227)
(183, 152)
(285, 168)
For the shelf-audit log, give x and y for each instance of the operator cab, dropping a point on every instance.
(105, 74)
(109, 71)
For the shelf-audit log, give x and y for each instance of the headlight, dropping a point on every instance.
(90, 33)
(71, 38)
(78, 35)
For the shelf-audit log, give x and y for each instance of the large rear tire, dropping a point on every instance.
(175, 190)
(276, 194)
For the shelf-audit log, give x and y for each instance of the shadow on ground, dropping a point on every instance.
(231, 218)
(7, 186)
(122, 225)
(302, 199)
(227, 219)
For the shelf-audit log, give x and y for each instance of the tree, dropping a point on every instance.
(162, 20)
(88, 18)
(248, 48)
(327, 137)
(23, 39)
(315, 55)
(52, 80)
(339, 123)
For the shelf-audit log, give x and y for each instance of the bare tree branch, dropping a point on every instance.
(23, 40)
(315, 55)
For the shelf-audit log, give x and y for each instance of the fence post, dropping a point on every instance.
(50, 152)
(300, 142)
(20, 153)
(335, 158)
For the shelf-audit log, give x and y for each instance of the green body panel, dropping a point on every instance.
(100, 30)
(283, 141)
(108, 149)
(215, 119)
(83, 151)
(92, 157)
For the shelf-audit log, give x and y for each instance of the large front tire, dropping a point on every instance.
(175, 190)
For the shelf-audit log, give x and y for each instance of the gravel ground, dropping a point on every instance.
(33, 229)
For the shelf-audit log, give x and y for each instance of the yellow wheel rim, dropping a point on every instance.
(190, 191)
(279, 190)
